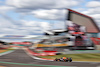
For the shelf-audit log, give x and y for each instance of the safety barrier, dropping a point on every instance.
(96, 41)
(40, 54)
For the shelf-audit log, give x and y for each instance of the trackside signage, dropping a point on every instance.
(26, 43)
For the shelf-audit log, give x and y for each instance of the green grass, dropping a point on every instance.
(38, 51)
(5, 50)
(78, 57)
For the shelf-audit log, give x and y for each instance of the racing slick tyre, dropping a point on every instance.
(70, 60)
(66, 60)
(57, 60)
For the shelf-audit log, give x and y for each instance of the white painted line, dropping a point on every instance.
(1, 54)
(52, 60)
(98, 66)
(34, 57)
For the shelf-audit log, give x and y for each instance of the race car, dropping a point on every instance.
(64, 59)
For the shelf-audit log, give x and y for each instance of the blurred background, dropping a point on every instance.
(49, 29)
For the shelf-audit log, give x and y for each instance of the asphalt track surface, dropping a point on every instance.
(19, 58)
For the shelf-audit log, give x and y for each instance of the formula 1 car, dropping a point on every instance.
(64, 59)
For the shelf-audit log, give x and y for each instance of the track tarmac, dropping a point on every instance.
(19, 58)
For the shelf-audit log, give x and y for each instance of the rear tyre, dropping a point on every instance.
(66, 60)
(70, 60)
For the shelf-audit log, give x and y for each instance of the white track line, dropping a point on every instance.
(6, 53)
(34, 57)
(52, 60)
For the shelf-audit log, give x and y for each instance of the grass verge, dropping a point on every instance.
(4, 50)
(95, 57)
